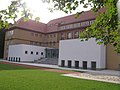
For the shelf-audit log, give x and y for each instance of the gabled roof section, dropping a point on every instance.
(31, 25)
(52, 26)
(87, 15)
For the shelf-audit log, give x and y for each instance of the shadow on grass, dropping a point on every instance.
(12, 66)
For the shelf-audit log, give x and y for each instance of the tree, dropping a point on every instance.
(12, 11)
(106, 28)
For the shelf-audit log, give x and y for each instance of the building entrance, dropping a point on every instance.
(51, 53)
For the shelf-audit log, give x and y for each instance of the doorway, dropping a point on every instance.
(62, 63)
(84, 64)
(69, 64)
(77, 64)
(93, 65)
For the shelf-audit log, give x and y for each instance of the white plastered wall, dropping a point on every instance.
(75, 50)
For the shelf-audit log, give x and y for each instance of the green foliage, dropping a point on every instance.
(105, 28)
(20, 78)
(12, 11)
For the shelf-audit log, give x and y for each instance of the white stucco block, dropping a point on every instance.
(18, 51)
(89, 51)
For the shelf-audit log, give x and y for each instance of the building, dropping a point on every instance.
(49, 35)
(78, 54)
(25, 53)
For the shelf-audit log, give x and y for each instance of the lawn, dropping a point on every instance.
(20, 78)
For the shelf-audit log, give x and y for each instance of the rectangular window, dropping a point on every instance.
(69, 35)
(36, 53)
(77, 64)
(76, 34)
(32, 34)
(31, 52)
(69, 64)
(84, 64)
(93, 65)
(62, 63)
(62, 36)
(36, 35)
(41, 53)
(26, 52)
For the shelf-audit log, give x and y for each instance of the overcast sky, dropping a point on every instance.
(38, 8)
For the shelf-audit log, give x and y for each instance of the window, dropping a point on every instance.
(69, 35)
(26, 52)
(31, 52)
(69, 64)
(91, 22)
(19, 59)
(62, 63)
(35, 43)
(86, 23)
(93, 65)
(76, 35)
(40, 35)
(62, 36)
(32, 34)
(9, 59)
(36, 53)
(16, 59)
(51, 35)
(10, 33)
(39, 43)
(54, 43)
(54, 35)
(31, 42)
(77, 64)
(41, 53)
(84, 64)
(36, 35)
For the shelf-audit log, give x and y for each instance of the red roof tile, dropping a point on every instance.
(53, 24)
(32, 25)
(87, 15)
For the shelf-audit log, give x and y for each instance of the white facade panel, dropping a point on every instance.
(76, 50)
(18, 51)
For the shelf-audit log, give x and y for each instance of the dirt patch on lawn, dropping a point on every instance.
(42, 68)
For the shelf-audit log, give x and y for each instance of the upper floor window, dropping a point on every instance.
(36, 35)
(92, 21)
(10, 33)
(62, 36)
(69, 35)
(76, 35)
(32, 34)
(86, 23)
(54, 35)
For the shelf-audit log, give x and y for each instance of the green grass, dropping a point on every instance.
(20, 78)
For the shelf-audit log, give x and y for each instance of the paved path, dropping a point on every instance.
(105, 72)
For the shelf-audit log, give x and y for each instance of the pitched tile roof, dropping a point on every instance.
(32, 25)
(52, 25)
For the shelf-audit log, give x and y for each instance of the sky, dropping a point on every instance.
(39, 9)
